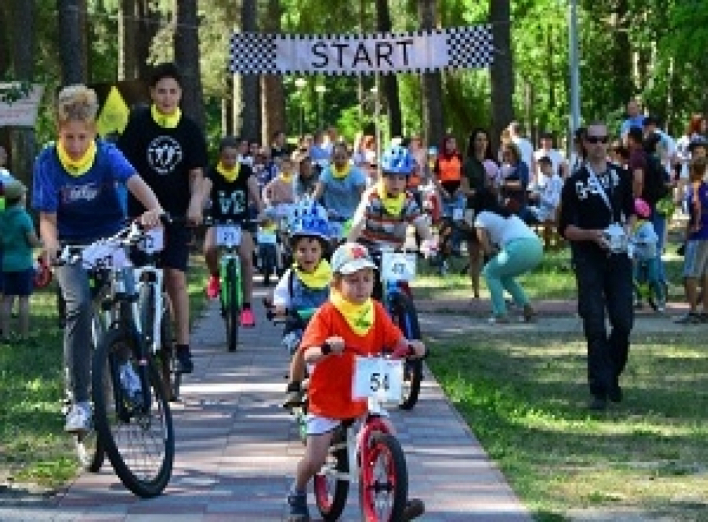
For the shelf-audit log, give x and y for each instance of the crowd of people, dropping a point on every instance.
(611, 200)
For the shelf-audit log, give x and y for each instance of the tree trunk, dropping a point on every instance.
(22, 140)
(127, 40)
(147, 23)
(71, 54)
(186, 44)
(5, 31)
(621, 62)
(502, 70)
(249, 110)
(273, 102)
(389, 81)
(431, 83)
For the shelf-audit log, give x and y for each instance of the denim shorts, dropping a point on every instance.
(695, 261)
(19, 283)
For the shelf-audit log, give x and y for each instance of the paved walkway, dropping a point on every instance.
(237, 450)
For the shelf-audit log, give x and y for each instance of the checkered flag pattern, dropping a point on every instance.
(253, 53)
(470, 47)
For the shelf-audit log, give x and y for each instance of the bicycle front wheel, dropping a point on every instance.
(330, 491)
(406, 317)
(383, 488)
(138, 440)
(232, 305)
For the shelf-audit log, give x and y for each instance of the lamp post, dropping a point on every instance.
(300, 84)
(574, 66)
(320, 90)
(377, 116)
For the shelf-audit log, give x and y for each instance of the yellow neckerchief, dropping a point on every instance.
(166, 121)
(340, 174)
(269, 226)
(319, 278)
(393, 205)
(80, 166)
(231, 174)
(287, 177)
(359, 317)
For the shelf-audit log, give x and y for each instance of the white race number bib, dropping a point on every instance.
(228, 235)
(104, 255)
(153, 241)
(397, 266)
(379, 378)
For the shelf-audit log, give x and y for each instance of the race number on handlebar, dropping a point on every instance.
(228, 235)
(378, 378)
(398, 266)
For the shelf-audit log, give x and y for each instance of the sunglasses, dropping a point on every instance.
(596, 139)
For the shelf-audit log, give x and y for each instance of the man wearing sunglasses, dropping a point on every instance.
(596, 215)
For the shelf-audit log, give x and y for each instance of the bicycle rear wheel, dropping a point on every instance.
(139, 441)
(231, 305)
(406, 317)
(383, 488)
(331, 492)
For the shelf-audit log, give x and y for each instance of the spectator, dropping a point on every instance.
(306, 179)
(637, 160)
(448, 178)
(514, 180)
(318, 151)
(695, 263)
(547, 201)
(516, 134)
(280, 147)
(666, 147)
(634, 120)
(597, 204)
(697, 127)
(646, 254)
(577, 156)
(513, 249)
(558, 164)
(18, 238)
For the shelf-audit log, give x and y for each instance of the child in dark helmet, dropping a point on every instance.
(304, 287)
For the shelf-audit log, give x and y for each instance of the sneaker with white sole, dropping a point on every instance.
(78, 420)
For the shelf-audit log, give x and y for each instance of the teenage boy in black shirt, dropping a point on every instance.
(232, 187)
(595, 197)
(168, 149)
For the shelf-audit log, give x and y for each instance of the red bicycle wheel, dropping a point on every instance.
(383, 486)
(331, 492)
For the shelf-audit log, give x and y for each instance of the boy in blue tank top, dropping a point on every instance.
(304, 287)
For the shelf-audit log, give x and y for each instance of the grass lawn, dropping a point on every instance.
(33, 445)
(525, 397)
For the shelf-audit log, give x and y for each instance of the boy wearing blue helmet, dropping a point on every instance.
(387, 209)
(304, 286)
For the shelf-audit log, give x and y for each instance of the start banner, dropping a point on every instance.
(361, 54)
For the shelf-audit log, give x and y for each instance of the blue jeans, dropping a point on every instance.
(515, 258)
(605, 286)
(659, 222)
(449, 205)
(647, 271)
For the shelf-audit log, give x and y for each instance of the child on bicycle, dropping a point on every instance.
(351, 323)
(644, 243)
(302, 287)
(231, 185)
(388, 209)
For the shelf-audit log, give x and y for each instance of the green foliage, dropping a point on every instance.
(14, 91)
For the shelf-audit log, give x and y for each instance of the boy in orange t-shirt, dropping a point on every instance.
(351, 323)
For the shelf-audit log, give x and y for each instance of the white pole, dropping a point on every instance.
(574, 66)
(377, 112)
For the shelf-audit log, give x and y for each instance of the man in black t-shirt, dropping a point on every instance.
(595, 197)
(168, 149)
(232, 186)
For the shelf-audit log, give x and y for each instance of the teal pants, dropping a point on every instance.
(515, 258)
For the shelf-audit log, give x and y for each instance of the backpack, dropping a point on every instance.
(655, 178)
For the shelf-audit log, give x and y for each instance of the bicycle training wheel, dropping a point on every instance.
(231, 306)
(331, 492)
(406, 317)
(139, 440)
(383, 487)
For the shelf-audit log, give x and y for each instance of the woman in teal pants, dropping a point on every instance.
(513, 249)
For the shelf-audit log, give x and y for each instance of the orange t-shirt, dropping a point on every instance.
(330, 389)
(449, 169)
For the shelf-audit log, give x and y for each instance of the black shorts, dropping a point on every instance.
(176, 252)
(20, 283)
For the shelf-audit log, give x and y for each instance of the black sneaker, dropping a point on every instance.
(598, 404)
(297, 503)
(414, 508)
(183, 361)
(615, 394)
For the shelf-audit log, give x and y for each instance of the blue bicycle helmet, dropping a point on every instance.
(397, 160)
(309, 219)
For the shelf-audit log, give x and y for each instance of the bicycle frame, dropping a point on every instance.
(150, 275)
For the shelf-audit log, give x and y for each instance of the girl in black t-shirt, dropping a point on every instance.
(231, 185)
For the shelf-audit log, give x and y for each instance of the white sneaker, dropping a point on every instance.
(78, 420)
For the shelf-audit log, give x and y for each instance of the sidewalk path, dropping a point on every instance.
(237, 450)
